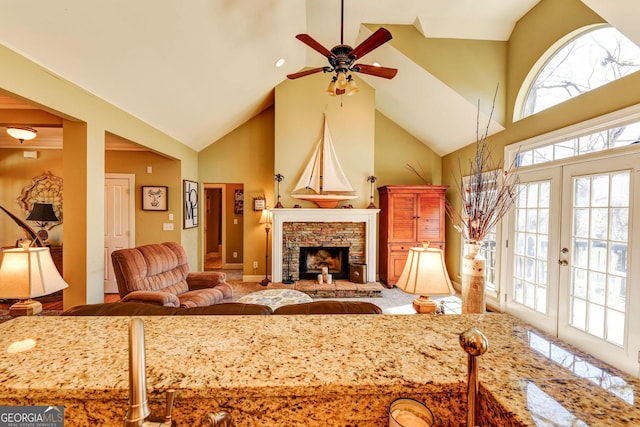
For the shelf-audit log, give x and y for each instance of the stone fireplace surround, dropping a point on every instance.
(281, 218)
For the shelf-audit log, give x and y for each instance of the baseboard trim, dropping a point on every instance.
(233, 266)
(252, 278)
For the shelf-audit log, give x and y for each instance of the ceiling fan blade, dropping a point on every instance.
(380, 37)
(313, 44)
(305, 73)
(387, 73)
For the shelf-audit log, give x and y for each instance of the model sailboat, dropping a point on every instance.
(323, 175)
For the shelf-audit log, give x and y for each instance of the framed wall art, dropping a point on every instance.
(190, 213)
(259, 203)
(155, 198)
(238, 202)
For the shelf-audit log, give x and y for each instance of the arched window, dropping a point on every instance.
(592, 59)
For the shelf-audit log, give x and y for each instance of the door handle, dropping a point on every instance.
(563, 262)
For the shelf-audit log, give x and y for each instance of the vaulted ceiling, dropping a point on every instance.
(198, 69)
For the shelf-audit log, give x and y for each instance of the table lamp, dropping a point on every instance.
(425, 274)
(26, 273)
(42, 214)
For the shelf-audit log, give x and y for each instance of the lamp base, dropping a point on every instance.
(424, 305)
(25, 308)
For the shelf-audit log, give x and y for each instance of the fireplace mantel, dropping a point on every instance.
(281, 216)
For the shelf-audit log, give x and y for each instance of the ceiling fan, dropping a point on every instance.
(342, 59)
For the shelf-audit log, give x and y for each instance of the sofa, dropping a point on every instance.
(159, 274)
(230, 308)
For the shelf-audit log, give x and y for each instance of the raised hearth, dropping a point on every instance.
(338, 289)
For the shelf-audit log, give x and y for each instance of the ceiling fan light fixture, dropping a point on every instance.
(352, 87)
(22, 133)
(331, 90)
(342, 80)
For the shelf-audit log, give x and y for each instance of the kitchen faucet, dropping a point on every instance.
(138, 410)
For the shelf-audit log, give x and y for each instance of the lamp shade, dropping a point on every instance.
(266, 218)
(28, 273)
(42, 212)
(425, 273)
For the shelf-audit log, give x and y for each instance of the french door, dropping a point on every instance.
(571, 262)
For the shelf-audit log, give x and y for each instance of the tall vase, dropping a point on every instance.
(473, 278)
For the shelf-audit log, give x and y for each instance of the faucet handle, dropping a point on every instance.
(171, 397)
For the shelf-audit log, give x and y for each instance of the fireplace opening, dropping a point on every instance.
(312, 259)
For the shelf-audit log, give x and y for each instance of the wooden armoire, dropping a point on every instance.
(409, 216)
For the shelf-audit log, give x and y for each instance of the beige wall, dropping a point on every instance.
(301, 105)
(16, 173)
(234, 227)
(87, 119)
(527, 43)
(244, 156)
(165, 172)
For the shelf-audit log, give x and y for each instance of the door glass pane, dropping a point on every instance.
(599, 241)
(531, 245)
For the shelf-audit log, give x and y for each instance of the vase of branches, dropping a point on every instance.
(486, 194)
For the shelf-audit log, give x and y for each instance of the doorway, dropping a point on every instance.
(119, 223)
(213, 235)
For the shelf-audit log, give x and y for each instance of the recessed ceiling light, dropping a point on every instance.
(279, 63)
(376, 64)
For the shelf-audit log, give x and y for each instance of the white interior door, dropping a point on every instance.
(119, 223)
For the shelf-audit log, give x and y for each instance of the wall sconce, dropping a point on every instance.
(22, 133)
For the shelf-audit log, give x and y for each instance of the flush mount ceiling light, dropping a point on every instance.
(22, 133)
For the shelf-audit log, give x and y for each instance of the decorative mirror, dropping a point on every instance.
(46, 188)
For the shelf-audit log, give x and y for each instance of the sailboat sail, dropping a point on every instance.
(323, 172)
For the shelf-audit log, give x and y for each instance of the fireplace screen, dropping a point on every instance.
(313, 259)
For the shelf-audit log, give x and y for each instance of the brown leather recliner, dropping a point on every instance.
(159, 274)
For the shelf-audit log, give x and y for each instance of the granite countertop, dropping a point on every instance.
(527, 374)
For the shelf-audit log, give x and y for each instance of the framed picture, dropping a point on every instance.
(190, 213)
(238, 202)
(155, 198)
(259, 203)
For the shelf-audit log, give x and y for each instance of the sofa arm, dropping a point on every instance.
(205, 279)
(152, 297)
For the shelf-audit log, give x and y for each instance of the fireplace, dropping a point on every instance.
(294, 228)
(313, 259)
